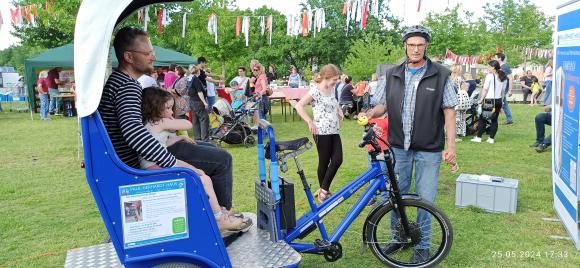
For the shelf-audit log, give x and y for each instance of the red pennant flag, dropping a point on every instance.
(30, 13)
(238, 25)
(160, 21)
(365, 15)
(305, 24)
(16, 17)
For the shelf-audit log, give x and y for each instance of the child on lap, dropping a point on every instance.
(158, 108)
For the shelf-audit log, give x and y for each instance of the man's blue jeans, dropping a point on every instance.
(506, 110)
(54, 100)
(43, 105)
(543, 119)
(548, 93)
(426, 165)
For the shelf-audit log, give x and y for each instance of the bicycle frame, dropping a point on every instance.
(374, 176)
(377, 181)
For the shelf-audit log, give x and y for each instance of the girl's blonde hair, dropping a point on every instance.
(194, 70)
(327, 72)
(456, 71)
(260, 68)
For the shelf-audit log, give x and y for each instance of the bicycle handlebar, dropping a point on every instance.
(370, 137)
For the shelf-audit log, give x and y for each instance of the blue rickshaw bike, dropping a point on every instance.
(162, 218)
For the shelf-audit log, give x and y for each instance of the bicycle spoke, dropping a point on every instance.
(399, 246)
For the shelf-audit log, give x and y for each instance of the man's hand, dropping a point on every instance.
(449, 156)
(510, 93)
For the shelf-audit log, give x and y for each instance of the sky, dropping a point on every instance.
(404, 9)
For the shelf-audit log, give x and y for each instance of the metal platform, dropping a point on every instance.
(252, 249)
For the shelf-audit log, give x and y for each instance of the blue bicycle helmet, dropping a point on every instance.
(417, 30)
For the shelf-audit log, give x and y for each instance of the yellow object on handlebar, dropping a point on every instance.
(363, 120)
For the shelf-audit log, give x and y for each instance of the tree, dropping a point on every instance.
(450, 31)
(365, 55)
(54, 27)
(517, 22)
(505, 25)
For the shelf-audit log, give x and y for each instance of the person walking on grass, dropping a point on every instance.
(199, 106)
(42, 89)
(324, 127)
(491, 101)
(507, 92)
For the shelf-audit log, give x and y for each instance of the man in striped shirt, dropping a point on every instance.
(120, 109)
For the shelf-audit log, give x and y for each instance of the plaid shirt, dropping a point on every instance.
(408, 114)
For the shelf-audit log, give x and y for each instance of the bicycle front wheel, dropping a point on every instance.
(426, 242)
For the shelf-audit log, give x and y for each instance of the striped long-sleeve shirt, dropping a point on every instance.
(120, 109)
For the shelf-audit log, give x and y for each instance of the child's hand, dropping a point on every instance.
(187, 139)
(312, 128)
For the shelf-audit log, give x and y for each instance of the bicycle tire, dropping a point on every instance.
(373, 223)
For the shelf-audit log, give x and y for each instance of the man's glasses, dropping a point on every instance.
(144, 53)
(416, 46)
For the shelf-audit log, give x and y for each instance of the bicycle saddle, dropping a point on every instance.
(292, 145)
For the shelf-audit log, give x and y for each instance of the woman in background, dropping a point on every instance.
(294, 79)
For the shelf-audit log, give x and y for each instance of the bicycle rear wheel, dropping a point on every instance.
(427, 243)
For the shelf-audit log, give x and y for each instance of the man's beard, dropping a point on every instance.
(415, 61)
(147, 69)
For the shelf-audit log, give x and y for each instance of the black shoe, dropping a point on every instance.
(391, 247)
(420, 255)
(542, 148)
(51, 113)
(534, 145)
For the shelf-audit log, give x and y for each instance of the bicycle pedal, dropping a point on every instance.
(321, 244)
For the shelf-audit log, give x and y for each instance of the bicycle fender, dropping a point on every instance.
(386, 203)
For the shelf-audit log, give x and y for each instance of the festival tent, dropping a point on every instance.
(63, 57)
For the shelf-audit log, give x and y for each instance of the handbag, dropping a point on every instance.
(489, 105)
(268, 91)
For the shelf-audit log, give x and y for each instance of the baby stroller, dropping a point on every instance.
(233, 128)
(473, 115)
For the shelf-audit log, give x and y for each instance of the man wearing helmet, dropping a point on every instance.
(420, 102)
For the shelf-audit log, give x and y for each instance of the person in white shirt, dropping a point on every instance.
(491, 100)
(241, 79)
(148, 80)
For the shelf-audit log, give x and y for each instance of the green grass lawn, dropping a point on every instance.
(46, 207)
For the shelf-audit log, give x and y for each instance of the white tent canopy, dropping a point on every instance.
(92, 46)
